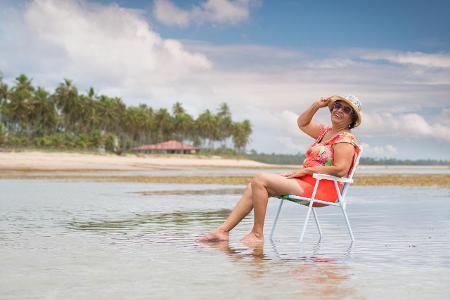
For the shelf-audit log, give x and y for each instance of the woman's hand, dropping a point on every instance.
(323, 102)
(298, 173)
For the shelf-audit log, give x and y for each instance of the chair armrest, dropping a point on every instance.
(331, 177)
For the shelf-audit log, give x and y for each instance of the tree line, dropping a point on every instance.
(67, 118)
(297, 159)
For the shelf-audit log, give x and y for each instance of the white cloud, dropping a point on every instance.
(209, 11)
(438, 60)
(379, 151)
(409, 126)
(291, 144)
(444, 117)
(249, 53)
(169, 14)
(105, 43)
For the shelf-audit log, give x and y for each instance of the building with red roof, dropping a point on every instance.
(169, 147)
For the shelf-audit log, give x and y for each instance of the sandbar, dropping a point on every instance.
(65, 161)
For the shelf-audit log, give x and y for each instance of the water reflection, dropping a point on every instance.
(293, 253)
(325, 280)
(225, 191)
(173, 218)
(313, 255)
(320, 277)
(253, 257)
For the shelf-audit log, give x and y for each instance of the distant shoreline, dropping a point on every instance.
(73, 161)
(114, 168)
(412, 180)
(66, 161)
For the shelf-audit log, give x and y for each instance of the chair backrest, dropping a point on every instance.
(355, 163)
(352, 172)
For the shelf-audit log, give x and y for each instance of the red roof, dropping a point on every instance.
(169, 145)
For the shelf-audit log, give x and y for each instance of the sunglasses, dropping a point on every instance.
(338, 105)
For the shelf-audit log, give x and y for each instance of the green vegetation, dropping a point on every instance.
(31, 117)
(297, 159)
(67, 119)
(279, 159)
(403, 162)
(438, 180)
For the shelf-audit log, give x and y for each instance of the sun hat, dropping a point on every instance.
(351, 100)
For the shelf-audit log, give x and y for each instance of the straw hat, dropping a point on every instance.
(351, 100)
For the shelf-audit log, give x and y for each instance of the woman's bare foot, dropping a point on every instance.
(215, 236)
(253, 239)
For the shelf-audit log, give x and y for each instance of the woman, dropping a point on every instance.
(332, 153)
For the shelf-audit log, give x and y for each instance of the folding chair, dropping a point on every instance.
(341, 202)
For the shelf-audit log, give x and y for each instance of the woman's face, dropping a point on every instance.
(341, 113)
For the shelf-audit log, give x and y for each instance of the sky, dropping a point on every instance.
(269, 60)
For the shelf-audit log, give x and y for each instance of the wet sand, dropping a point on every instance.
(95, 168)
(436, 180)
(65, 161)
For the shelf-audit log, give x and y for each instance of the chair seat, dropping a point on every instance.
(305, 201)
(333, 178)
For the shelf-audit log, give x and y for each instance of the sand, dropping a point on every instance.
(431, 180)
(62, 161)
(45, 165)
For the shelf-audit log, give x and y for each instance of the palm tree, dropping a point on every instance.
(164, 125)
(150, 123)
(241, 134)
(4, 90)
(43, 115)
(178, 109)
(206, 127)
(137, 123)
(66, 98)
(225, 124)
(19, 105)
(111, 113)
(183, 123)
(88, 118)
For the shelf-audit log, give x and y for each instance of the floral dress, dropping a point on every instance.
(321, 153)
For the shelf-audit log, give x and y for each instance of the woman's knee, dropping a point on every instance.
(248, 189)
(258, 180)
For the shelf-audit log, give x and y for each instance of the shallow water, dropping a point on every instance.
(78, 240)
(209, 171)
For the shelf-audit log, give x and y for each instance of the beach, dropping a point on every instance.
(65, 161)
(188, 169)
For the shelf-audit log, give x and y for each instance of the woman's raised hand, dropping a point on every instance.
(323, 101)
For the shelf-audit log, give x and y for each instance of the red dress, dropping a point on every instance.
(321, 153)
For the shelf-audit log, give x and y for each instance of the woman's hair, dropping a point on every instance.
(354, 117)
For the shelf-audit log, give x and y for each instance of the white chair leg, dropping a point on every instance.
(348, 223)
(276, 218)
(316, 218)
(310, 206)
(305, 224)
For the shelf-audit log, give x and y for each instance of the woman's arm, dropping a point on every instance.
(305, 122)
(343, 158)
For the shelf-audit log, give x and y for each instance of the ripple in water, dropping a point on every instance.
(75, 240)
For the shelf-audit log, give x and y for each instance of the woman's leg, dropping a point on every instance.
(240, 210)
(265, 185)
